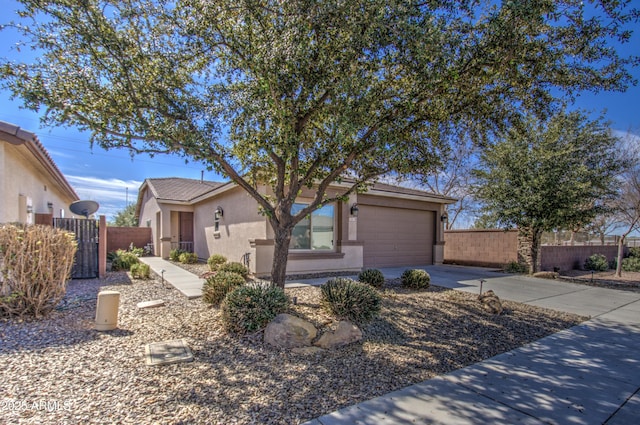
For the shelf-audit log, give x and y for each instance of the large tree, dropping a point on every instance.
(299, 93)
(558, 174)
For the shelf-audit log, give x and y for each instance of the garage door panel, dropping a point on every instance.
(396, 237)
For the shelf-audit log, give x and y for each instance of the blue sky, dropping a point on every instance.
(112, 177)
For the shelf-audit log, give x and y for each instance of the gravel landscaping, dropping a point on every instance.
(60, 370)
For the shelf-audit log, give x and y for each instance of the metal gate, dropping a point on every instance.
(86, 231)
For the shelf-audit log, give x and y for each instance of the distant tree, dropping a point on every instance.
(628, 210)
(451, 174)
(298, 93)
(126, 217)
(551, 175)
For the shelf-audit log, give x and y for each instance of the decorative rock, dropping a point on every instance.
(150, 304)
(287, 331)
(491, 302)
(346, 333)
(307, 351)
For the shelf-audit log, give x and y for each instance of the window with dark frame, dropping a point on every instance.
(314, 232)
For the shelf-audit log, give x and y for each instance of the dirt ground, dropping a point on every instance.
(628, 281)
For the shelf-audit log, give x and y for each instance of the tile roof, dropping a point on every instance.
(180, 189)
(15, 135)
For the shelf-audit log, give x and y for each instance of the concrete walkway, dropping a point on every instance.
(589, 374)
(186, 282)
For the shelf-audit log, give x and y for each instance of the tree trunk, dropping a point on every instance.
(280, 255)
(529, 241)
(620, 255)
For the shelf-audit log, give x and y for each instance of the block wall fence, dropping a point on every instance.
(495, 248)
(122, 237)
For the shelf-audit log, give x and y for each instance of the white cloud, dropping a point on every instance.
(111, 194)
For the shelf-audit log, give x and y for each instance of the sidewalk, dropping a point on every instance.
(589, 374)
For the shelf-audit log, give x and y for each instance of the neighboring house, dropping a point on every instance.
(32, 188)
(386, 226)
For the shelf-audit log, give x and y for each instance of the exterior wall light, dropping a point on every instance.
(219, 212)
(444, 218)
(354, 210)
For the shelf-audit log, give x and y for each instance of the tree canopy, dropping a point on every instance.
(301, 93)
(558, 174)
(126, 217)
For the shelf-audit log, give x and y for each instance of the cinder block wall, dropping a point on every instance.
(495, 248)
(573, 257)
(122, 237)
(488, 248)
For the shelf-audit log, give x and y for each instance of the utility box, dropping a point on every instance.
(107, 310)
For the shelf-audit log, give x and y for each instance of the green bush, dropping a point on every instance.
(174, 254)
(138, 252)
(415, 279)
(249, 308)
(373, 277)
(140, 271)
(124, 260)
(218, 286)
(351, 300)
(515, 267)
(188, 258)
(597, 262)
(234, 267)
(631, 264)
(215, 261)
(634, 252)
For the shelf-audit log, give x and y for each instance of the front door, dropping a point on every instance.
(186, 231)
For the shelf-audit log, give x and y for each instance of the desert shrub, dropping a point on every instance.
(215, 261)
(515, 267)
(234, 267)
(188, 258)
(373, 277)
(415, 279)
(140, 271)
(124, 260)
(249, 308)
(138, 252)
(634, 252)
(631, 264)
(351, 300)
(35, 264)
(597, 262)
(174, 254)
(219, 285)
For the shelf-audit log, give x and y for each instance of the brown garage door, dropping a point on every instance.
(396, 236)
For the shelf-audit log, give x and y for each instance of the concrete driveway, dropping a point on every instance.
(589, 374)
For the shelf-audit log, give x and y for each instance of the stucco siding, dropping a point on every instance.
(239, 225)
(24, 184)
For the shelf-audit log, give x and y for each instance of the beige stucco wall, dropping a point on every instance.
(149, 218)
(23, 183)
(239, 225)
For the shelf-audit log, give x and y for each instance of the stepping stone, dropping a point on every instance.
(151, 304)
(167, 352)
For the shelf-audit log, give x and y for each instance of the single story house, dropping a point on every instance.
(32, 188)
(386, 226)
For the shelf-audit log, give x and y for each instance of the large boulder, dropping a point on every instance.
(287, 331)
(346, 333)
(491, 302)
